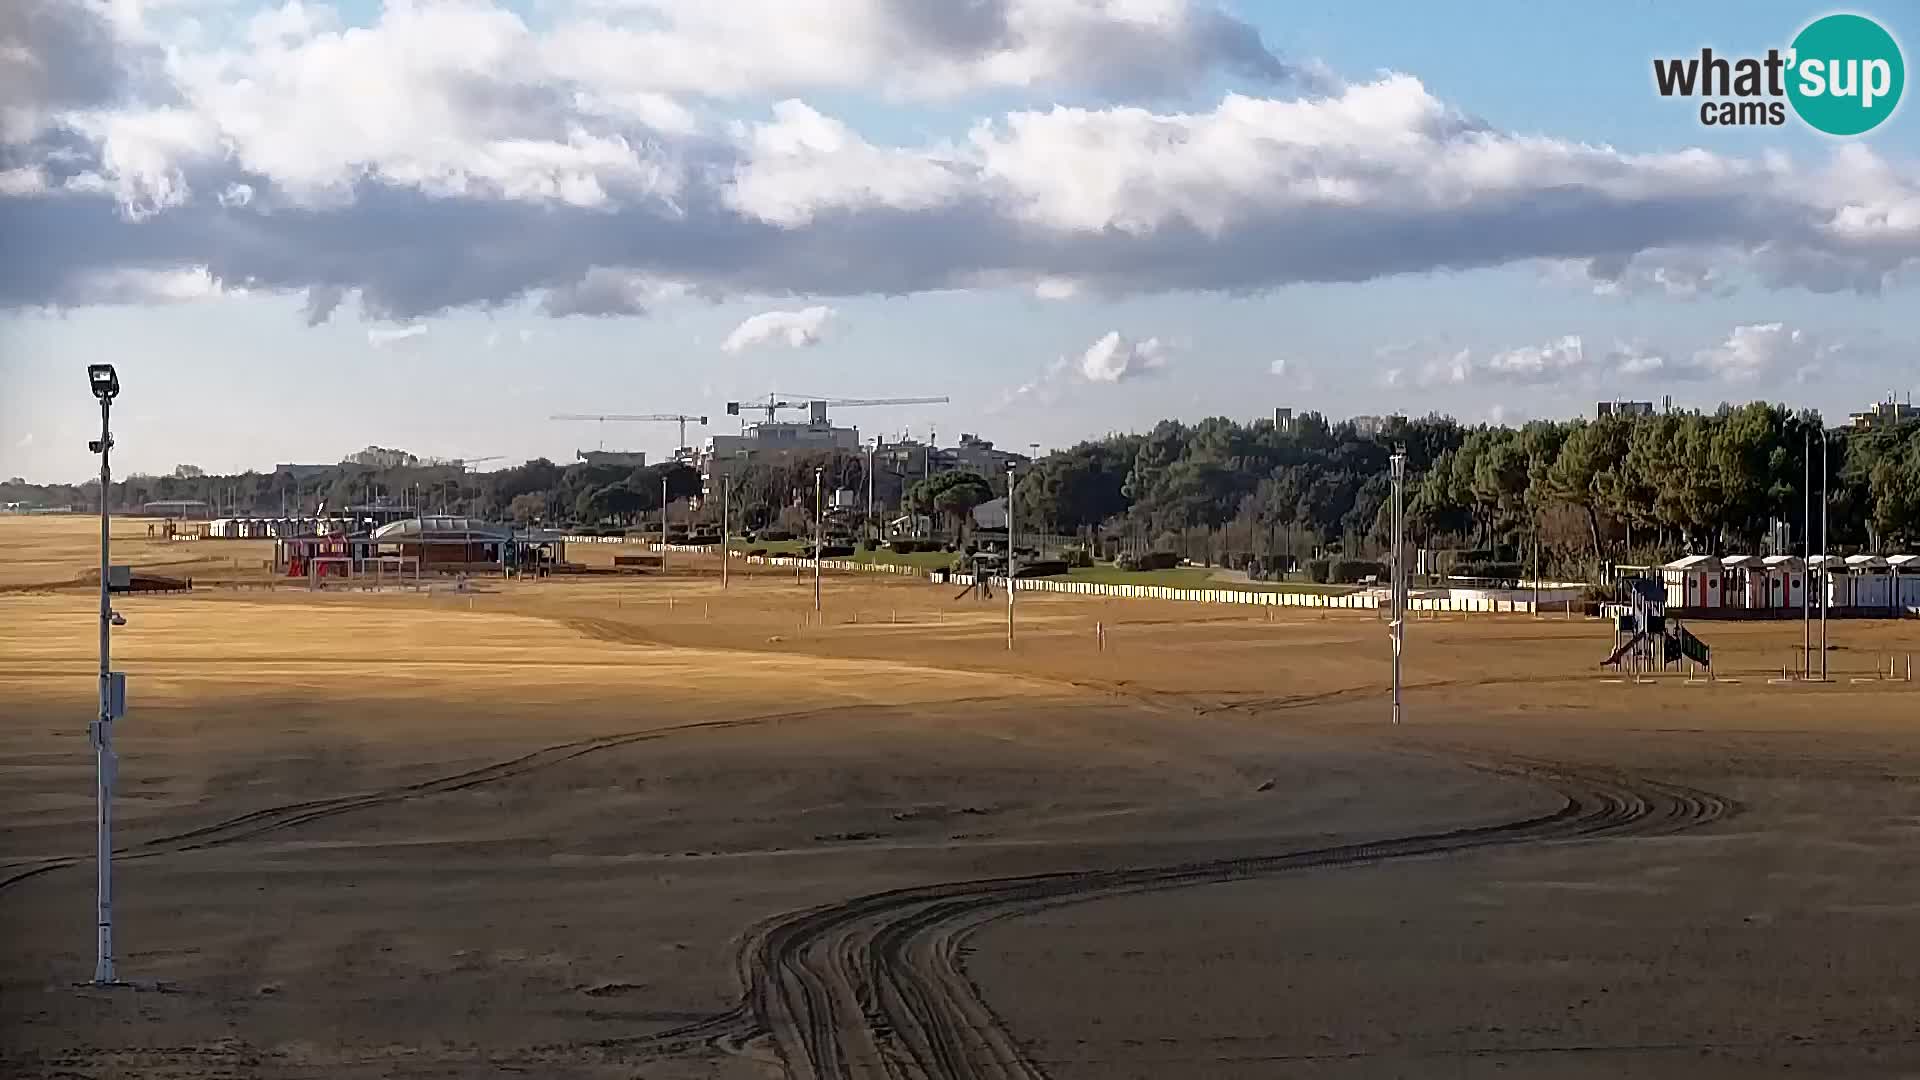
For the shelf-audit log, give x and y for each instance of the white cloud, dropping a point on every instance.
(451, 155)
(1114, 359)
(381, 337)
(140, 285)
(24, 441)
(1760, 350)
(1633, 359)
(795, 329)
(917, 49)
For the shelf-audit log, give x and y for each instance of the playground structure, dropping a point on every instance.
(1645, 640)
(374, 572)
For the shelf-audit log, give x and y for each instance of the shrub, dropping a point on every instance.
(868, 544)
(757, 551)
(1320, 571)
(1156, 560)
(1495, 571)
(835, 551)
(776, 535)
(1352, 571)
(1040, 568)
(908, 547)
(1079, 557)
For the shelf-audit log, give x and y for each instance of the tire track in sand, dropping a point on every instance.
(257, 823)
(873, 987)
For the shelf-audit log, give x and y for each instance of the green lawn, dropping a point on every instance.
(1184, 577)
(1196, 577)
(926, 560)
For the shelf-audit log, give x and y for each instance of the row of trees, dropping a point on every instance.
(1585, 490)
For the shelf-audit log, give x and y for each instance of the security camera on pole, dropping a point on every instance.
(113, 689)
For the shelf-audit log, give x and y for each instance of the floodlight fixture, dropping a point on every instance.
(105, 382)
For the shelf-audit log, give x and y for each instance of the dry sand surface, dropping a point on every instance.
(619, 827)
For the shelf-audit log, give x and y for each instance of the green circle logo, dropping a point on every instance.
(1846, 74)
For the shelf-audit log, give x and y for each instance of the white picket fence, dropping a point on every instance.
(1360, 601)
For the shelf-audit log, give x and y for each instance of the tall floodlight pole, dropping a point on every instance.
(106, 386)
(1010, 478)
(1806, 557)
(1826, 557)
(1399, 625)
(872, 456)
(726, 526)
(663, 522)
(818, 516)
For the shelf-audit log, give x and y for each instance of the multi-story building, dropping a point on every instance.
(1622, 409)
(976, 454)
(631, 458)
(1888, 413)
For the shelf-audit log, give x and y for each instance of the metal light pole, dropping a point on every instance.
(1399, 624)
(726, 526)
(1826, 557)
(872, 455)
(106, 386)
(1010, 478)
(663, 524)
(1806, 557)
(817, 516)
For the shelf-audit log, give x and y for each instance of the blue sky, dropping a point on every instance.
(444, 182)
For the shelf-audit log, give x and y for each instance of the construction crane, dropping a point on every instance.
(777, 400)
(468, 463)
(683, 419)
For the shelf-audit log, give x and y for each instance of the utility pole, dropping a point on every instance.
(106, 386)
(1826, 556)
(817, 516)
(1806, 557)
(1398, 627)
(872, 456)
(726, 526)
(663, 524)
(1010, 478)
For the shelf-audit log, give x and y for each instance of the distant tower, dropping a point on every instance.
(1666, 404)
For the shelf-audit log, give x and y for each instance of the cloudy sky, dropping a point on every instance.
(299, 229)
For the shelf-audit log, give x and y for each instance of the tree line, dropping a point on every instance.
(1583, 490)
(1622, 489)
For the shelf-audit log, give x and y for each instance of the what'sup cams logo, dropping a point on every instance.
(1842, 75)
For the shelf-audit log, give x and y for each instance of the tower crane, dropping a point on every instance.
(683, 419)
(818, 405)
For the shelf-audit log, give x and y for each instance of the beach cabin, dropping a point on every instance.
(1903, 580)
(1743, 582)
(1786, 581)
(1830, 581)
(1692, 582)
(1872, 584)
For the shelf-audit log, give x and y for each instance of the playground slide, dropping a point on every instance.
(1623, 649)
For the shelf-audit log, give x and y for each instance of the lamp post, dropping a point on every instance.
(106, 386)
(1826, 556)
(872, 456)
(1010, 566)
(1806, 555)
(663, 524)
(1399, 598)
(726, 525)
(817, 516)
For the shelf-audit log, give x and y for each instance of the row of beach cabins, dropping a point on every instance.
(1779, 582)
